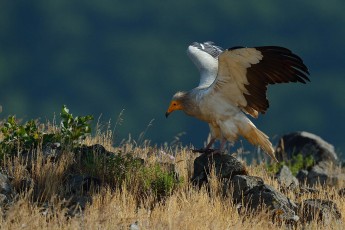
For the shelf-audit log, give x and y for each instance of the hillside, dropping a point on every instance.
(102, 57)
(57, 176)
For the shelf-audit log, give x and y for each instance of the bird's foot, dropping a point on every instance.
(203, 150)
(208, 152)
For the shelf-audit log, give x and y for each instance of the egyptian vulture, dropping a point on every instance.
(233, 82)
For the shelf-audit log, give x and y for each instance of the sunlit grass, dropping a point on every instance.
(184, 207)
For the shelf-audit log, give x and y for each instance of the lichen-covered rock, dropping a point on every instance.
(285, 178)
(225, 166)
(321, 210)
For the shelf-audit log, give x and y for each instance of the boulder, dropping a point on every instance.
(225, 166)
(325, 174)
(306, 144)
(240, 186)
(321, 210)
(252, 193)
(282, 208)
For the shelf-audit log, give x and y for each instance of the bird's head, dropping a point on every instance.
(177, 103)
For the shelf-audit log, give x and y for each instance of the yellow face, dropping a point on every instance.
(174, 105)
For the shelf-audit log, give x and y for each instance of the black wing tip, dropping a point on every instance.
(287, 53)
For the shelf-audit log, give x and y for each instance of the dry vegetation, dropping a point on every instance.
(186, 207)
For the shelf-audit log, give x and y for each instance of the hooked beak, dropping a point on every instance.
(167, 114)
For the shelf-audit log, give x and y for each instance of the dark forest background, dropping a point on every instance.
(100, 57)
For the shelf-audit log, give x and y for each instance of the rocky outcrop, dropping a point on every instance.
(326, 167)
(252, 193)
(247, 191)
(225, 167)
(307, 144)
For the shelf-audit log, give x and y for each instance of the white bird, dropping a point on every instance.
(233, 83)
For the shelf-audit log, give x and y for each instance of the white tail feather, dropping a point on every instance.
(258, 138)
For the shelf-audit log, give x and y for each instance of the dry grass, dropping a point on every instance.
(186, 208)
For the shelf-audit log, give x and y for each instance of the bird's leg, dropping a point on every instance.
(206, 150)
(208, 146)
(221, 148)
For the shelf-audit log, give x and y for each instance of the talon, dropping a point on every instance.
(214, 152)
(208, 152)
(203, 150)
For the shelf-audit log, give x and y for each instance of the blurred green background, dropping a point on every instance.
(102, 57)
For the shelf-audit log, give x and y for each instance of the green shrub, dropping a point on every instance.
(17, 138)
(112, 168)
(74, 129)
(297, 163)
(159, 181)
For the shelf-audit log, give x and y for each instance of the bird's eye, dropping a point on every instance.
(174, 104)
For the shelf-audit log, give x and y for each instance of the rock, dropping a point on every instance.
(52, 150)
(5, 186)
(7, 193)
(80, 184)
(282, 208)
(302, 176)
(251, 193)
(306, 144)
(320, 210)
(240, 185)
(134, 226)
(325, 174)
(225, 166)
(3, 200)
(97, 148)
(286, 179)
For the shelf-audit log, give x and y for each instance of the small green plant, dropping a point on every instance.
(118, 169)
(112, 168)
(17, 137)
(161, 182)
(297, 163)
(74, 129)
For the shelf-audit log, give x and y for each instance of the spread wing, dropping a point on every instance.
(205, 57)
(244, 73)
